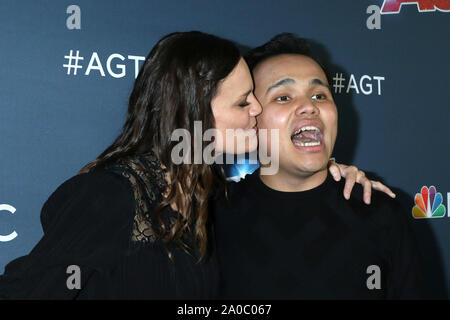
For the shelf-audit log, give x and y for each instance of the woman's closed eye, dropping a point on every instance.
(244, 104)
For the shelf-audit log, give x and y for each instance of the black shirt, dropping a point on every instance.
(99, 221)
(314, 244)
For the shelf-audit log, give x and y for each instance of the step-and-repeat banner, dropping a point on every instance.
(67, 68)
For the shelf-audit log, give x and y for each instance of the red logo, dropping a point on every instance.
(394, 6)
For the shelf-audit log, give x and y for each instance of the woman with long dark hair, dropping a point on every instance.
(133, 224)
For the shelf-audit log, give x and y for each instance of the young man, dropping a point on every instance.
(292, 235)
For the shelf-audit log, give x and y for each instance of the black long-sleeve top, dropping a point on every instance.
(101, 222)
(314, 245)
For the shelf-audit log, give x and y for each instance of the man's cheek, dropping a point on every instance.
(278, 120)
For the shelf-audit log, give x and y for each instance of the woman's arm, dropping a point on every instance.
(83, 221)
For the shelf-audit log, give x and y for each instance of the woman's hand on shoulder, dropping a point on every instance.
(353, 175)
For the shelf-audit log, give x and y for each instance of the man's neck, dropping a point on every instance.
(288, 182)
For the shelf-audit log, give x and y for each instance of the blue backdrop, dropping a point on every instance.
(390, 76)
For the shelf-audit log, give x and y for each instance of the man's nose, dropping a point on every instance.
(306, 107)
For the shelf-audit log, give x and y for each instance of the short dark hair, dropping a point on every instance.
(283, 43)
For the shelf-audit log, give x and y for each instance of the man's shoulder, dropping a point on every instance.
(382, 207)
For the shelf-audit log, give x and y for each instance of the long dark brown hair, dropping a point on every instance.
(174, 88)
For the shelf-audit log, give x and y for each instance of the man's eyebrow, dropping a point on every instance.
(282, 82)
(318, 82)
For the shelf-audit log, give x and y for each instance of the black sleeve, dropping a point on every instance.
(84, 222)
(405, 278)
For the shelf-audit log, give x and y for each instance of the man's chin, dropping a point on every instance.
(311, 164)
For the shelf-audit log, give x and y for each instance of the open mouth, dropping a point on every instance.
(307, 136)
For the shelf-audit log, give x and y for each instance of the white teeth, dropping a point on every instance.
(307, 144)
(306, 128)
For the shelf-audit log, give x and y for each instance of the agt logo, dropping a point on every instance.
(394, 7)
(429, 204)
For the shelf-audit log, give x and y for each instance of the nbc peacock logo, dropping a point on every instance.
(428, 204)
